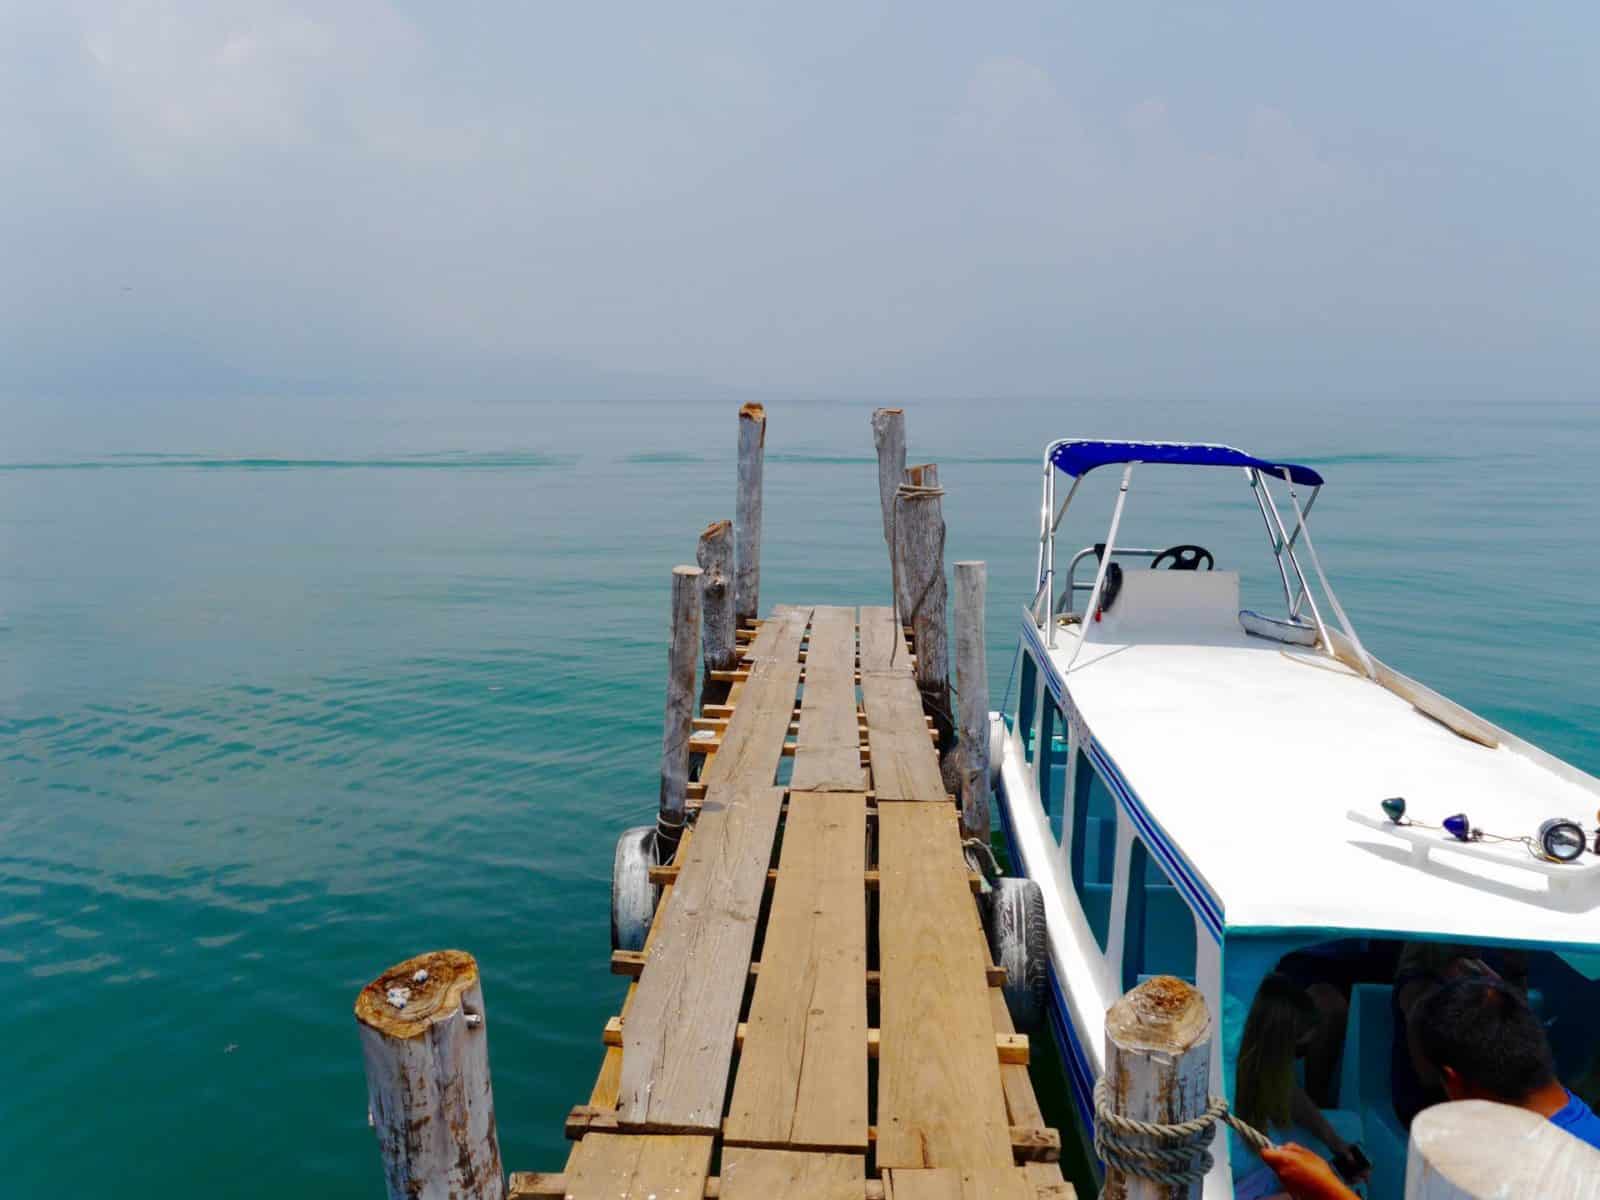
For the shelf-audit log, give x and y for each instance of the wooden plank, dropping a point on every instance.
(606, 1166)
(1022, 1106)
(752, 745)
(749, 1174)
(883, 643)
(802, 1079)
(678, 1039)
(982, 1183)
(778, 639)
(940, 1099)
(904, 763)
(828, 746)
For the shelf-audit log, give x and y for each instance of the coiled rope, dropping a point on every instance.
(1178, 1154)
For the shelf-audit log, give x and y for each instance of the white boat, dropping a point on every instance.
(1196, 790)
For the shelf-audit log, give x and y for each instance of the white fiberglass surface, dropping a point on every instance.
(1250, 754)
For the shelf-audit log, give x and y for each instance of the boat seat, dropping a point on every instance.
(1364, 1085)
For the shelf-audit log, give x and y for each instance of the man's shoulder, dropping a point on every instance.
(1578, 1119)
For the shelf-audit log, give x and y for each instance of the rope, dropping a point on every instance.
(984, 853)
(1176, 1154)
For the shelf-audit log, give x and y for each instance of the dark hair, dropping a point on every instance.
(1484, 1029)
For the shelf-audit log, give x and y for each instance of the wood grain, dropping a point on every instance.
(606, 1166)
(940, 1098)
(1033, 1182)
(749, 1174)
(904, 763)
(802, 1078)
(828, 745)
(883, 644)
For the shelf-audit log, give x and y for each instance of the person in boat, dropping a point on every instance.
(1282, 1024)
(1483, 1042)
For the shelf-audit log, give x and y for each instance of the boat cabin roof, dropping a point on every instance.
(1079, 456)
(1249, 756)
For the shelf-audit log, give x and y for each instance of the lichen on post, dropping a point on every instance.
(426, 1047)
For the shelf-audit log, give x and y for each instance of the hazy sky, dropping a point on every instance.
(861, 198)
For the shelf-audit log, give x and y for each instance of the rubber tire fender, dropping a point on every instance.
(633, 896)
(1015, 925)
(997, 749)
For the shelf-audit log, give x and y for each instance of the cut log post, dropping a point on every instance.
(923, 597)
(719, 643)
(681, 649)
(1475, 1149)
(427, 1056)
(972, 694)
(1158, 1069)
(922, 475)
(889, 436)
(747, 512)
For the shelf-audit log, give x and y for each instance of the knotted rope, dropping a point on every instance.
(1178, 1154)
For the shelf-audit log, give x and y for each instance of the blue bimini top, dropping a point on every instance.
(1080, 457)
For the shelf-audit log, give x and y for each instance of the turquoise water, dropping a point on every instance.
(298, 697)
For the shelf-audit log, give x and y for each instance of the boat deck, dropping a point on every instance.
(814, 1012)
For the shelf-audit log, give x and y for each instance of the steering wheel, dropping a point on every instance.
(1184, 558)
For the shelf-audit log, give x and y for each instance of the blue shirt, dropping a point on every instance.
(1578, 1119)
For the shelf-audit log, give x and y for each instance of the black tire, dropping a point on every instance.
(1014, 922)
(633, 896)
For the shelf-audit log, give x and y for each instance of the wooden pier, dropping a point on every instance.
(814, 1011)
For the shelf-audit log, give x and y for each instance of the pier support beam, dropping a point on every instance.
(922, 597)
(681, 650)
(720, 650)
(889, 436)
(747, 512)
(1475, 1150)
(972, 694)
(1158, 1069)
(426, 1049)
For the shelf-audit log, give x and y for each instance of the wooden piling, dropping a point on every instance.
(685, 635)
(922, 475)
(972, 692)
(922, 597)
(426, 1049)
(747, 512)
(719, 643)
(1158, 1069)
(1474, 1150)
(889, 436)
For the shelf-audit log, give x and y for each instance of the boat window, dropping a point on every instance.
(1094, 846)
(1052, 764)
(1159, 931)
(1027, 704)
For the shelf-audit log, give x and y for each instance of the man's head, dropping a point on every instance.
(1484, 1041)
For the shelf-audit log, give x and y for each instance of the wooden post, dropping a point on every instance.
(427, 1056)
(1158, 1069)
(685, 641)
(720, 650)
(889, 436)
(747, 512)
(923, 475)
(923, 596)
(972, 692)
(1475, 1149)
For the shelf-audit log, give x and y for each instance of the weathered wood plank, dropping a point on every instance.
(828, 745)
(778, 638)
(678, 1039)
(984, 1183)
(802, 1078)
(606, 1166)
(940, 1099)
(1022, 1105)
(749, 1174)
(883, 643)
(749, 750)
(904, 763)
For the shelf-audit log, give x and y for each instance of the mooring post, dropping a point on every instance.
(922, 597)
(1158, 1069)
(747, 512)
(426, 1049)
(889, 436)
(1474, 1150)
(681, 649)
(720, 650)
(922, 475)
(972, 695)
